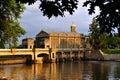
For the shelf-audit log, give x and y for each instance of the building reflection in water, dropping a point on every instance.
(91, 70)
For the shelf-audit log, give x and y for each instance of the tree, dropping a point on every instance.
(114, 41)
(54, 7)
(97, 40)
(102, 40)
(109, 17)
(10, 28)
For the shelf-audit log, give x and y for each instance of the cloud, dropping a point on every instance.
(33, 21)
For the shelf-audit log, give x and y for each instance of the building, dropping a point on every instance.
(54, 40)
(28, 43)
(61, 45)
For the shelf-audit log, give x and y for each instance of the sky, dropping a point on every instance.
(33, 21)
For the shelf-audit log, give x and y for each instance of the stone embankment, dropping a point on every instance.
(95, 55)
(6, 78)
(114, 57)
(100, 55)
(12, 61)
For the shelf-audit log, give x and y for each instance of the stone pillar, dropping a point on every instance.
(67, 41)
(71, 55)
(34, 55)
(13, 50)
(50, 41)
(61, 56)
(79, 55)
(59, 41)
(50, 50)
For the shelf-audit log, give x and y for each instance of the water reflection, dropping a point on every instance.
(91, 70)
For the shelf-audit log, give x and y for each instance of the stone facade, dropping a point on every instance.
(28, 43)
(61, 45)
(54, 40)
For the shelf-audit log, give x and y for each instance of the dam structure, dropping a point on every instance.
(52, 46)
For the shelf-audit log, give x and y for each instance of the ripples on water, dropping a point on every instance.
(89, 70)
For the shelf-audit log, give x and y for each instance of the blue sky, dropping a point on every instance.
(33, 21)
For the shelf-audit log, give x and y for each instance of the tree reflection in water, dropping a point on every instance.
(83, 70)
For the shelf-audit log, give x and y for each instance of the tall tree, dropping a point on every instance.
(10, 28)
(97, 40)
(109, 17)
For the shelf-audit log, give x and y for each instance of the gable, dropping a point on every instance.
(42, 34)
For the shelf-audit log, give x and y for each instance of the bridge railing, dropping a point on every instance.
(23, 49)
(5, 50)
(19, 50)
(14, 49)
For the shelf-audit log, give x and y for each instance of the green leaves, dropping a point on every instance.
(98, 40)
(10, 28)
(50, 8)
(109, 17)
(57, 7)
(114, 41)
(27, 1)
(54, 7)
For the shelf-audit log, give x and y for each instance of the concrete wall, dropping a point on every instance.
(12, 61)
(99, 55)
(112, 57)
(94, 55)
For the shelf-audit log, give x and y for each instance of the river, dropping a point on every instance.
(83, 70)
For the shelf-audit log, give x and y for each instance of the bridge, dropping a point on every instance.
(46, 54)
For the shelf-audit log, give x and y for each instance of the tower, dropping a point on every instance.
(73, 28)
(28, 43)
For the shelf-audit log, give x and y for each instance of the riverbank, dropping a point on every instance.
(12, 61)
(4, 78)
(108, 55)
(111, 51)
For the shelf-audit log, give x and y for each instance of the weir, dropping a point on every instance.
(40, 55)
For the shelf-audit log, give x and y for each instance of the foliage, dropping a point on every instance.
(20, 46)
(114, 41)
(10, 28)
(102, 41)
(111, 51)
(109, 17)
(97, 40)
(54, 7)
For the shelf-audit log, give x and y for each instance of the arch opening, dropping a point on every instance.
(43, 57)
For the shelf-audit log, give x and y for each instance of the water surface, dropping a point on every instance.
(84, 70)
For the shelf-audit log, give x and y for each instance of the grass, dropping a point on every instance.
(111, 51)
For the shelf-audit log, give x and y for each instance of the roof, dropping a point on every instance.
(27, 38)
(49, 32)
